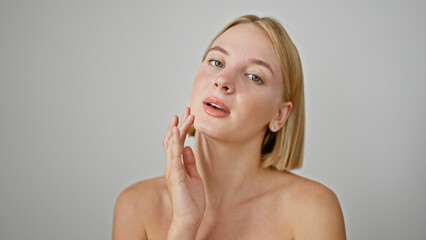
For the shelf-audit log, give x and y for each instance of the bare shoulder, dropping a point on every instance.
(309, 192)
(136, 206)
(144, 189)
(315, 209)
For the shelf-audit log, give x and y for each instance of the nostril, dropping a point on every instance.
(226, 88)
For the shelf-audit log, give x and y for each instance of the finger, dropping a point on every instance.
(185, 126)
(168, 159)
(169, 131)
(189, 162)
(174, 121)
(176, 151)
(184, 116)
(166, 145)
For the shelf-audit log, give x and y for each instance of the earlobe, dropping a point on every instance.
(281, 117)
(274, 127)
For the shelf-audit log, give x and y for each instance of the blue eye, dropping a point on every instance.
(216, 63)
(255, 78)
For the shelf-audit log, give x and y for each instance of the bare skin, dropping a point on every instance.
(297, 208)
(218, 189)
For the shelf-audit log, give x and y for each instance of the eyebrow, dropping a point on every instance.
(217, 48)
(253, 60)
(262, 63)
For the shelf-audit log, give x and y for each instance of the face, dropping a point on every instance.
(238, 89)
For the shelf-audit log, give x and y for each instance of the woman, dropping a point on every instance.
(247, 117)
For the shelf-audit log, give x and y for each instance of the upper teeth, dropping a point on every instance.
(215, 105)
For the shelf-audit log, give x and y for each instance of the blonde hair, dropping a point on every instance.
(283, 149)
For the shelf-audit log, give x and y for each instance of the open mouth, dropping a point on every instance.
(215, 106)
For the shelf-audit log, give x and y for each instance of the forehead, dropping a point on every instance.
(249, 41)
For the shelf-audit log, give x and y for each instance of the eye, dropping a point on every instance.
(255, 78)
(216, 63)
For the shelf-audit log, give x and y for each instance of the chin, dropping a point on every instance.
(211, 129)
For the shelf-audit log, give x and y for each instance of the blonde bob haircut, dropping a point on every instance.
(283, 149)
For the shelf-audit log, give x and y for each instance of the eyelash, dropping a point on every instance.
(214, 61)
(258, 80)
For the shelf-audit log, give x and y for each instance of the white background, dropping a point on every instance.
(87, 89)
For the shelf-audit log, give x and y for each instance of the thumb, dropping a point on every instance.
(189, 162)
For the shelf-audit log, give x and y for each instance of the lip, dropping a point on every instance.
(213, 111)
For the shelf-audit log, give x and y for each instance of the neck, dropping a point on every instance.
(230, 171)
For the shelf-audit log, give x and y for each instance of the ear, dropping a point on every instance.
(281, 117)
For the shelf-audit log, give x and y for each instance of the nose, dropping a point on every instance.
(224, 83)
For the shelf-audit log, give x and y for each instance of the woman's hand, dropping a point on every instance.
(183, 181)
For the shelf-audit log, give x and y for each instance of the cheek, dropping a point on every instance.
(201, 83)
(197, 94)
(263, 107)
(200, 80)
(196, 87)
